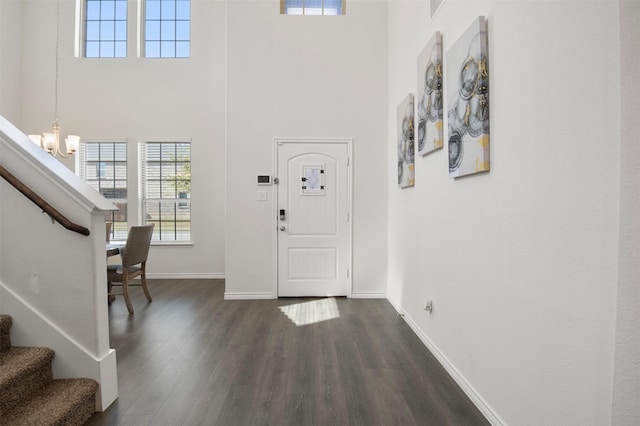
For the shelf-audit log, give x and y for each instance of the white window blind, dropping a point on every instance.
(103, 165)
(165, 193)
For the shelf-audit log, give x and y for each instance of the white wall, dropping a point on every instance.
(137, 97)
(293, 76)
(626, 393)
(52, 281)
(11, 60)
(10, 65)
(521, 262)
(284, 80)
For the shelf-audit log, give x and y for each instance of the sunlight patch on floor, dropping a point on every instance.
(312, 312)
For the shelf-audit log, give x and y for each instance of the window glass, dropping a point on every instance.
(105, 28)
(166, 189)
(153, 9)
(103, 165)
(167, 28)
(312, 7)
(333, 7)
(183, 10)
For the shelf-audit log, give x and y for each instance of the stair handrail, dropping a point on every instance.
(46, 207)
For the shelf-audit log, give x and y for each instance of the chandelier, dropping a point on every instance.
(51, 141)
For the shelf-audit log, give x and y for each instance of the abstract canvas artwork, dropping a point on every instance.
(467, 80)
(429, 105)
(406, 155)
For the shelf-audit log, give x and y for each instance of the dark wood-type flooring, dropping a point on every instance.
(192, 358)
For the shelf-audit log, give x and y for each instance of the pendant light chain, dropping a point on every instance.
(55, 115)
(50, 142)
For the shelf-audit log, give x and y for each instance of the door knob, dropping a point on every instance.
(282, 228)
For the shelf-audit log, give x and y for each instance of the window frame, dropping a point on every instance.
(178, 200)
(118, 232)
(82, 33)
(283, 9)
(143, 31)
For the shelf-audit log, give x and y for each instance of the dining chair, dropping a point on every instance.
(108, 226)
(134, 261)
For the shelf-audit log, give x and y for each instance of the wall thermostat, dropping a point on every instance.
(264, 180)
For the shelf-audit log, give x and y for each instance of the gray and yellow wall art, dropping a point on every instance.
(467, 84)
(429, 106)
(406, 150)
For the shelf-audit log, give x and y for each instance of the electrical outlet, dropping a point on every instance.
(428, 305)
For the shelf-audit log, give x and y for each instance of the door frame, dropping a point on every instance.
(275, 234)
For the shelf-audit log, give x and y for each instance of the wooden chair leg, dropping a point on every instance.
(110, 296)
(143, 278)
(125, 293)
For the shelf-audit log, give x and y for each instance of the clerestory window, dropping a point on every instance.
(167, 29)
(105, 29)
(312, 7)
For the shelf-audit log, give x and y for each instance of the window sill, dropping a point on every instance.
(172, 243)
(160, 243)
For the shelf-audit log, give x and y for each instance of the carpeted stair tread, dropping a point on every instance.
(23, 371)
(64, 402)
(5, 332)
(24, 359)
(28, 393)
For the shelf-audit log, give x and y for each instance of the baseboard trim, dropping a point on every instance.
(248, 296)
(108, 373)
(368, 295)
(186, 276)
(482, 405)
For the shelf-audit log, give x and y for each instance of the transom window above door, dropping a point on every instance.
(313, 7)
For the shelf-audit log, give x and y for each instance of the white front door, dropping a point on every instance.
(313, 217)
